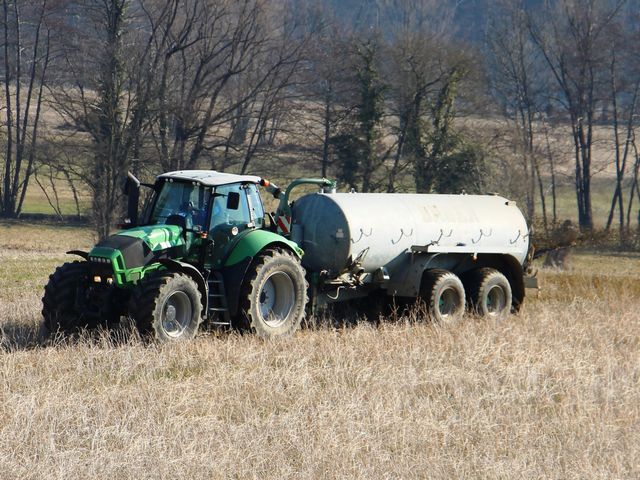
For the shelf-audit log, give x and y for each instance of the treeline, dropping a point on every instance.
(395, 98)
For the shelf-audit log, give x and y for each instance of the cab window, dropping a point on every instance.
(221, 215)
(184, 199)
(255, 205)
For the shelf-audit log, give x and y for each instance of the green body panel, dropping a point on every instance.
(157, 238)
(253, 241)
(161, 237)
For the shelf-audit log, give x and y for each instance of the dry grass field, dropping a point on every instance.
(553, 392)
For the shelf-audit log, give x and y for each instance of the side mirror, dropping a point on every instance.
(233, 201)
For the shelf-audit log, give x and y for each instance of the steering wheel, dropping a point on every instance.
(196, 215)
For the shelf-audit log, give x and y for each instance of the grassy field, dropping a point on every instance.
(36, 201)
(553, 392)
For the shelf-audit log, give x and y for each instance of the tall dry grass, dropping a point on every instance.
(553, 392)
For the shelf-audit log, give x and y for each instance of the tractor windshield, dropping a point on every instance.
(181, 199)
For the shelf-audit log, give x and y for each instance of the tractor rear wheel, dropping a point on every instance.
(443, 293)
(274, 294)
(489, 292)
(59, 305)
(168, 305)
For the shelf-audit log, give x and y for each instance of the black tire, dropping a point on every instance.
(274, 294)
(168, 306)
(443, 293)
(489, 292)
(59, 310)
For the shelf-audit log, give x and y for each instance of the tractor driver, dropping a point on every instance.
(182, 200)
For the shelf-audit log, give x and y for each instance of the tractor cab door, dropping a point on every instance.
(236, 207)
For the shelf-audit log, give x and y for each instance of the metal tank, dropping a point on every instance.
(376, 230)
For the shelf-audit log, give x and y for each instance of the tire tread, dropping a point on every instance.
(428, 288)
(476, 281)
(59, 298)
(144, 300)
(250, 284)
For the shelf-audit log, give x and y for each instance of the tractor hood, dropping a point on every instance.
(140, 246)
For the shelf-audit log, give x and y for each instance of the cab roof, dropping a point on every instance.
(209, 178)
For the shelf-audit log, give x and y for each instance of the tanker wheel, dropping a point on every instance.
(59, 301)
(443, 293)
(168, 305)
(489, 292)
(274, 294)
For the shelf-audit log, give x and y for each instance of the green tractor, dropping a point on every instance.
(202, 250)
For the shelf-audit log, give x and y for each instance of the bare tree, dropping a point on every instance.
(225, 67)
(154, 78)
(213, 43)
(26, 54)
(97, 94)
(327, 87)
(273, 105)
(426, 68)
(517, 80)
(624, 83)
(570, 35)
(418, 62)
(634, 190)
(551, 160)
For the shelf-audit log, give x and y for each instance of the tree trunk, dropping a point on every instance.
(19, 121)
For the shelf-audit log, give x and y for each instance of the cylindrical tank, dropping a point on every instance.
(335, 229)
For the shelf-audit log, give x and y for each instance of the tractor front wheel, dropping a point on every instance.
(168, 305)
(59, 303)
(274, 294)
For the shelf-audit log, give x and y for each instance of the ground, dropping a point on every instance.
(551, 392)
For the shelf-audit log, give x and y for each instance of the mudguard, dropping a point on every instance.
(238, 262)
(253, 241)
(79, 253)
(193, 272)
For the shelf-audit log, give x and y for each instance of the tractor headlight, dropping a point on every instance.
(100, 260)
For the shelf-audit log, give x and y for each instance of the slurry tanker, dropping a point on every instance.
(204, 250)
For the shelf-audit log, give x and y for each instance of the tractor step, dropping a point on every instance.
(218, 300)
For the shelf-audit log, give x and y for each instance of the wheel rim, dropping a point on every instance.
(496, 300)
(276, 299)
(448, 302)
(176, 314)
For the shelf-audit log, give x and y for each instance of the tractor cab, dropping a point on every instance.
(197, 195)
(207, 209)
